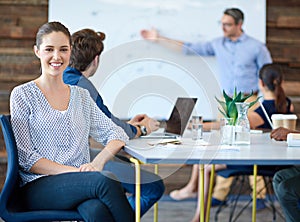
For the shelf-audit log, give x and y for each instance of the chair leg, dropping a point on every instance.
(236, 199)
(233, 200)
(270, 199)
(251, 200)
(242, 210)
(230, 198)
(219, 210)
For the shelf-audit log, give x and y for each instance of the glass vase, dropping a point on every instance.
(242, 125)
(227, 131)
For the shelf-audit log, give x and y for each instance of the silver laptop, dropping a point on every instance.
(178, 120)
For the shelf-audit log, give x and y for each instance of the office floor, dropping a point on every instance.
(175, 177)
(183, 211)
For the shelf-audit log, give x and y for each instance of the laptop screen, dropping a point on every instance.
(180, 115)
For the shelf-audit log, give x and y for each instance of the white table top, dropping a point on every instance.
(261, 151)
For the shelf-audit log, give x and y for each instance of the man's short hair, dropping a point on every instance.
(86, 45)
(236, 14)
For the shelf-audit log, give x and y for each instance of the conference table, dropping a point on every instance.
(261, 151)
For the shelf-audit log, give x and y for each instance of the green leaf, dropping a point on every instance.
(234, 92)
(229, 107)
(232, 111)
(223, 113)
(226, 97)
(247, 97)
(223, 104)
(238, 98)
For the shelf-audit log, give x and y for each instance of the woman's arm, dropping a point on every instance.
(254, 119)
(110, 150)
(48, 167)
(104, 131)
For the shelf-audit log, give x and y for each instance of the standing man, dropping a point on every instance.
(239, 58)
(87, 47)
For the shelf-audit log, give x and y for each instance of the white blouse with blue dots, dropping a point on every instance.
(43, 132)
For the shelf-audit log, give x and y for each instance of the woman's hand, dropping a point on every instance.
(109, 151)
(89, 167)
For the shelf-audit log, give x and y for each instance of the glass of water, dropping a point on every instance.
(197, 127)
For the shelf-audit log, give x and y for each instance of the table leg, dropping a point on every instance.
(155, 213)
(137, 189)
(201, 193)
(211, 184)
(254, 194)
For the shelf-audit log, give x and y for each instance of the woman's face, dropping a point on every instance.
(54, 53)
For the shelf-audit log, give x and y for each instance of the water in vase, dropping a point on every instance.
(242, 127)
(242, 137)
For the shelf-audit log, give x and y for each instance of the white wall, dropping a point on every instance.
(140, 77)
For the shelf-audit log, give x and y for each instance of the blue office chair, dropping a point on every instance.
(240, 173)
(9, 207)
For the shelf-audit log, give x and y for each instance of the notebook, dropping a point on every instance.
(178, 120)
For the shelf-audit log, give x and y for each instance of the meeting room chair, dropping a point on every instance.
(238, 185)
(10, 210)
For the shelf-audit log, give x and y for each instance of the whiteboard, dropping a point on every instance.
(136, 76)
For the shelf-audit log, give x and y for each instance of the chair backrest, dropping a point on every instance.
(12, 174)
(10, 211)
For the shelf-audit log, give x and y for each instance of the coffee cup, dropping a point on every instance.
(277, 120)
(290, 121)
(284, 120)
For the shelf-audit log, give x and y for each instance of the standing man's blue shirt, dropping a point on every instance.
(73, 76)
(238, 61)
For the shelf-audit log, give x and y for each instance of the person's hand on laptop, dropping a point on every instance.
(151, 124)
(137, 119)
(144, 120)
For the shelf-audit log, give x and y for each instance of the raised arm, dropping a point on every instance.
(153, 35)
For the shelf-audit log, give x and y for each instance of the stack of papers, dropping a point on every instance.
(164, 142)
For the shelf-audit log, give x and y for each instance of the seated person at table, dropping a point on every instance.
(286, 183)
(275, 101)
(52, 122)
(87, 47)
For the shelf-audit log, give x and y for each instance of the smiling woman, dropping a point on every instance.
(47, 111)
(53, 50)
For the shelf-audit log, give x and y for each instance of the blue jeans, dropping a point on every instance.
(95, 195)
(286, 185)
(152, 187)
